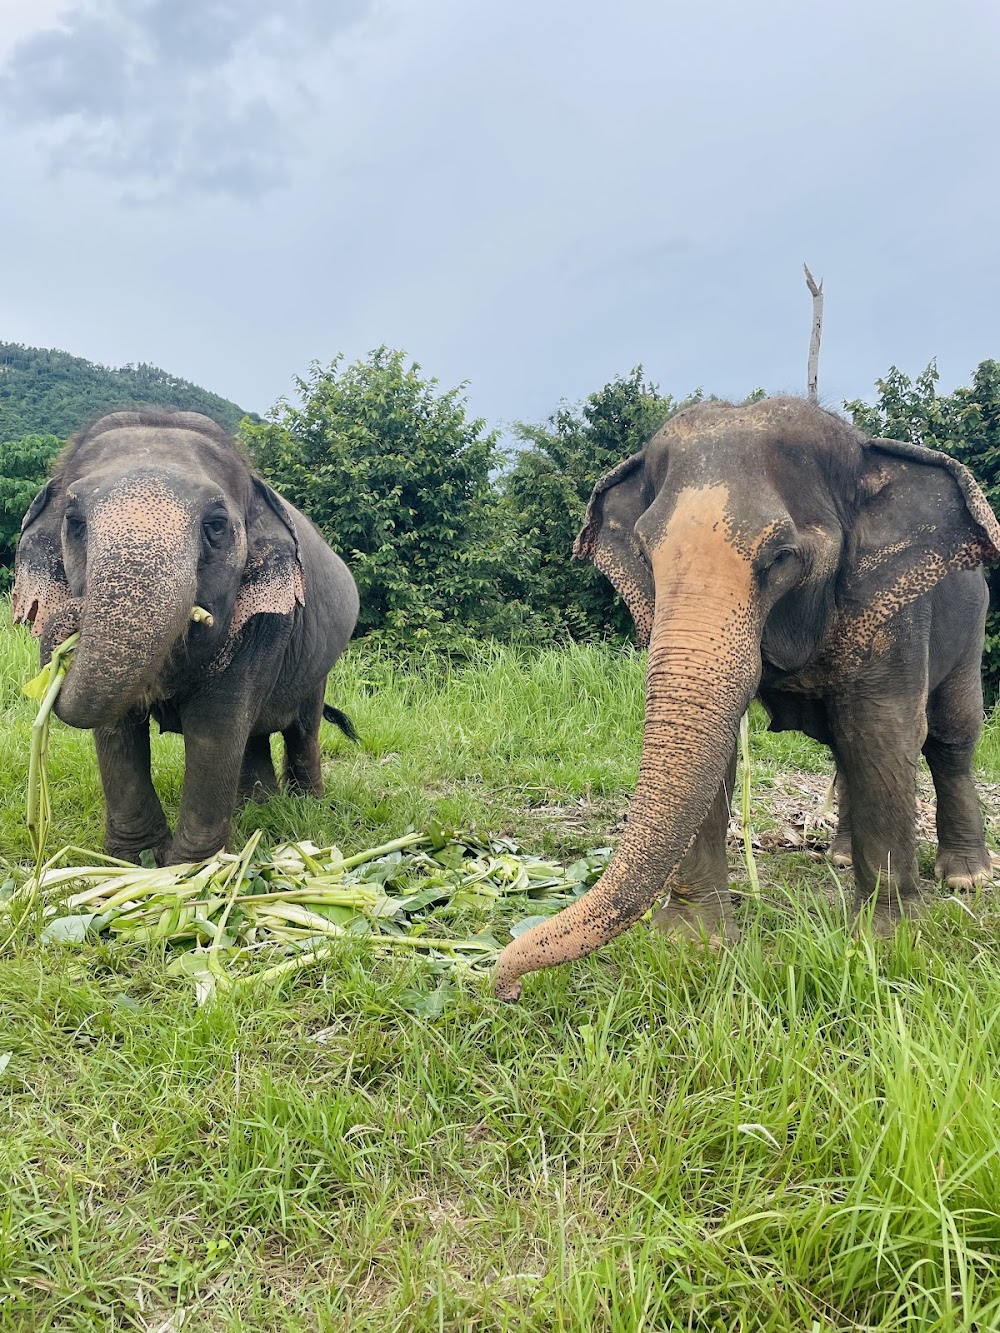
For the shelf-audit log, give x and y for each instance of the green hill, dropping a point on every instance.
(46, 392)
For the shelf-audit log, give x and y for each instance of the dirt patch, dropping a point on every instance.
(791, 810)
(797, 813)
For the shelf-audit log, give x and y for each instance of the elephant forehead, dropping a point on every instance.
(716, 441)
(143, 507)
(703, 526)
(768, 414)
(170, 446)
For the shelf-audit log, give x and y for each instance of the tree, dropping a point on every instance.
(544, 499)
(24, 465)
(397, 477)
(964, 424)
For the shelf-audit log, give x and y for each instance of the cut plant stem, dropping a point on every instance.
(374, 853)
(745, 813)
(202, 617)
(39, 810)
(239, 870)
(393, 941)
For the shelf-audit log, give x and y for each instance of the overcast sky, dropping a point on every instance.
(531, 195)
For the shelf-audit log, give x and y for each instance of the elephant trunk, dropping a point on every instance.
(137, 606)
(703, 670)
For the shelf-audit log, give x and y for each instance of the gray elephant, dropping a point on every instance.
(770, 550)
(147, 515)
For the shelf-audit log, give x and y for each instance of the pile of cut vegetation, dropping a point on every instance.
(259, 914)
(255, 916)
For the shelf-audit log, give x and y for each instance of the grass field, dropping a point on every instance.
(797, 1134)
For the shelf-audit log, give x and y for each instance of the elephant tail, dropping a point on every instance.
(342, 721)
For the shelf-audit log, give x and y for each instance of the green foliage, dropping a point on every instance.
(50, 392)
(964, 424)
(545, 494)
(397, 477)
(24, 465)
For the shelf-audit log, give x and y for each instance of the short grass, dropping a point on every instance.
(797, 1134)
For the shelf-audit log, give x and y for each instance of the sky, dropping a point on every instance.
(528, 195)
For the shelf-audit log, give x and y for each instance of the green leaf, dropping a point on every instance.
(428, 1004)
(451, 855)
(437, 835)
(68, 929)
(526, 923)
(341, 916)
(38, 686)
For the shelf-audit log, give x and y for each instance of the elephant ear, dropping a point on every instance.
(921, 517)
(40, 584)
(273, 580)
(608, 539)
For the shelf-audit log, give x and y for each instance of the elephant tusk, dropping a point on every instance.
(201, 616)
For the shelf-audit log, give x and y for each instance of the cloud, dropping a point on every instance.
(167, 95)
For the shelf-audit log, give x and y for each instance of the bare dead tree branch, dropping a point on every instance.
(817, 333)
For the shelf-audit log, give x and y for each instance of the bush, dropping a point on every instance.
(24, 465)
(544, 498)
(397, 477)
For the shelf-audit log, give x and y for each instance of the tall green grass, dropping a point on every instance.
(799, 1133)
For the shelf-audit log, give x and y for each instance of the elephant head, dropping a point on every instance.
(764, 537)
(146, 515)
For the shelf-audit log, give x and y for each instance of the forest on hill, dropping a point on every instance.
(47, 392)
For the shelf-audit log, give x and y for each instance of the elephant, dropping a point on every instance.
(770, 550)
(147, 515)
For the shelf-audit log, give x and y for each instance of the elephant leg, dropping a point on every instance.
(954, 721)
(213, 762)
(877, 738)
(840, 847)
(700, 906)
(134, 821)
(217, 727)
(303, 769)
(257, 779)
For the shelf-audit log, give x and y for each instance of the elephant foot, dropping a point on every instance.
(965, 870)
(258, 782)
(134, 849)
(840, 851)
(706, 920)
(888, 912)
(183, 851)
(259, 793)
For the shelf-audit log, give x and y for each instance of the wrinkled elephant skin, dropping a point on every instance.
(770, 550)
(147, 515)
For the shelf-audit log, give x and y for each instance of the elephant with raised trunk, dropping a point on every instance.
(771, 550)
(148, 515)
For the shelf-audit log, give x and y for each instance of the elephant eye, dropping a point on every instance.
(215, 528)
(778, 561)
(76, 525)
